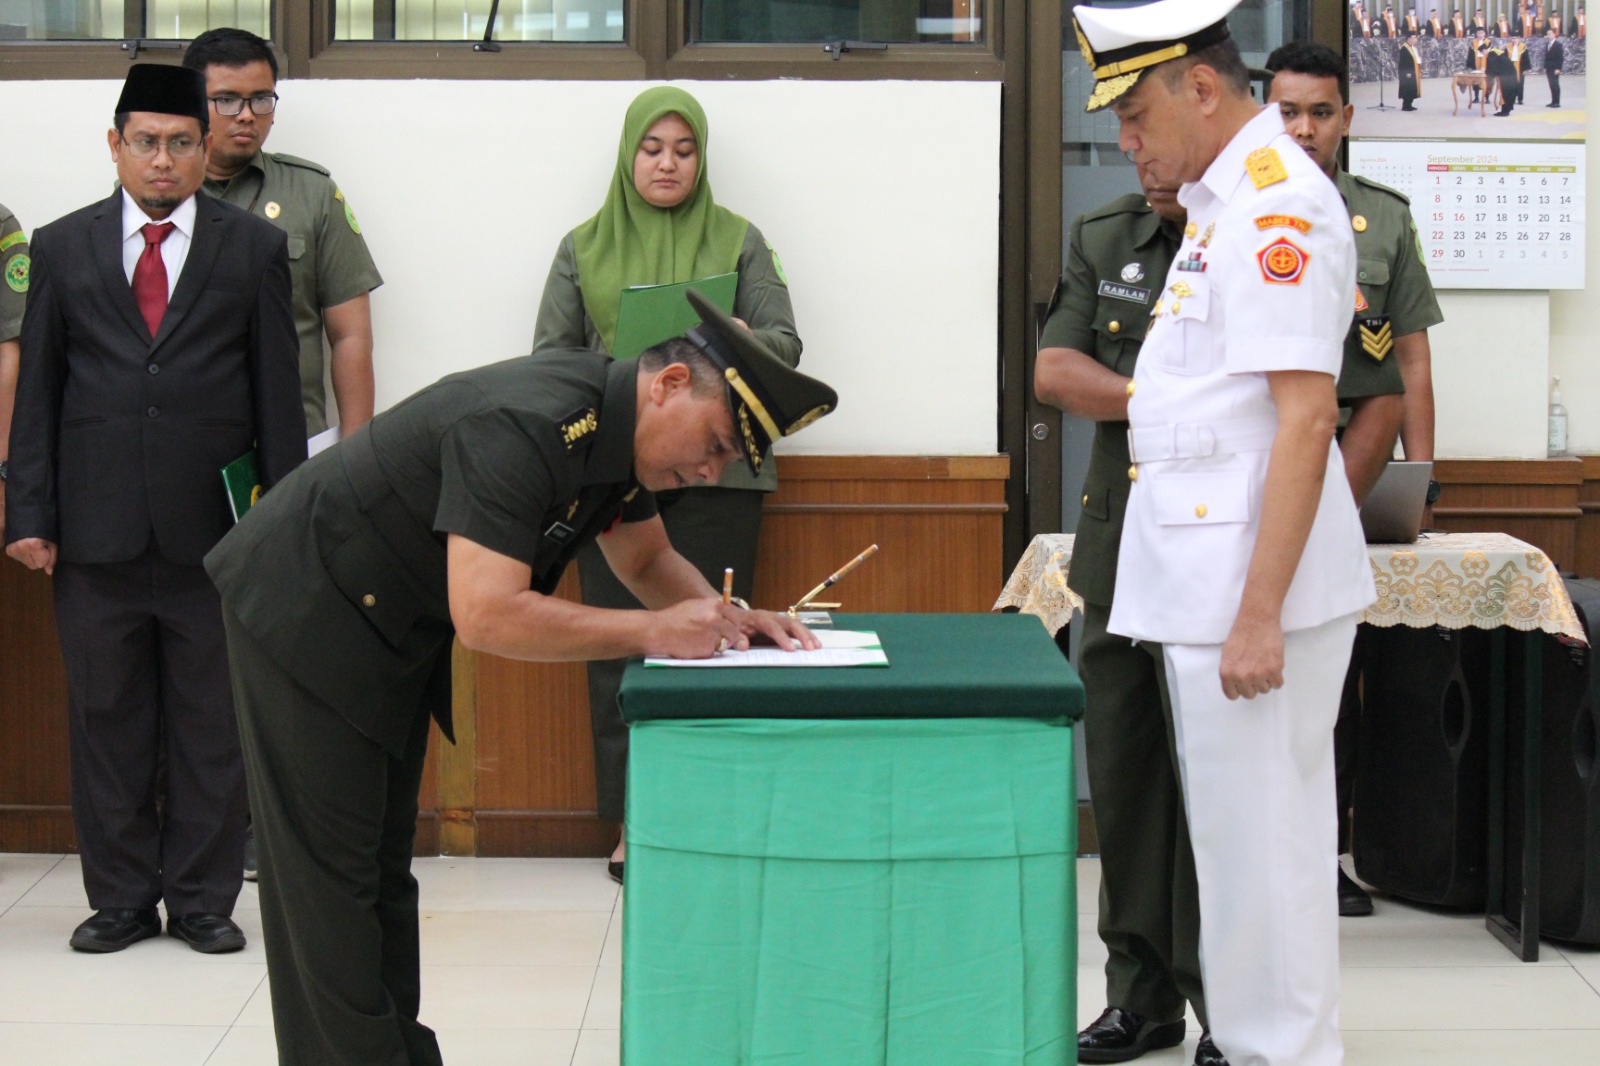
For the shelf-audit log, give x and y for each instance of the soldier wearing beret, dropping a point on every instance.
(13, 298)
(1387, 380)
(1241, 551)
(329, 264)
(453, 515)
(1117, 260)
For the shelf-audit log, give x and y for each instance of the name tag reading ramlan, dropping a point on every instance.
(1133, 294)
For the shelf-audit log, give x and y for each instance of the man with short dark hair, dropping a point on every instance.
(1242, 553)
(158, 347)
(454, 514)
(1553, 57)
(1387, 379)
(329, 265)
(1408, 62)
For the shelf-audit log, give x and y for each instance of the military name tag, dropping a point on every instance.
(559, 533)
(1377, 336)
(1131, 293)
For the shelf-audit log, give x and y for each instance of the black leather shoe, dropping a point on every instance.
(1121, 1036)
(614, 868)
(1206, 1053)
(114, 928)
(209, 934)
(1353, 899)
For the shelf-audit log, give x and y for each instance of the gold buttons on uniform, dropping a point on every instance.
(1358, 223)
(1190, 230)
(370, 600)
(1130, 388)
(1133, 473)
(1086, 499)
(1200, 510)
(1115, 326)
(272, 209)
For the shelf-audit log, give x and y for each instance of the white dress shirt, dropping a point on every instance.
(174, 250)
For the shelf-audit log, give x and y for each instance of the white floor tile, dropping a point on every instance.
(20, 873)
(44, 931)
(1452, 1047)
(1467, 998)
(506, 997)
(246, 1045)
(513, 938)
(1088, 886)
(508, 1047)
(144, 985)
(62, 886)
(605, 1001)
(514, 884)
(1406, 934)
(598, 1047)
(78, 1044)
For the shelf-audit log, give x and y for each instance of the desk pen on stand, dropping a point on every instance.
(833, 578)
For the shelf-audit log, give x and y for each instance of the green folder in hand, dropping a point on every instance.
(650, 314)
(242, 482)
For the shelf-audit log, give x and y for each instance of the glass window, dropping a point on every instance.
(466, 20)
(805, 21)
(116, 20)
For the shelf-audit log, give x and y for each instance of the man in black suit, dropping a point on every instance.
(1552, 67)
(158, 346)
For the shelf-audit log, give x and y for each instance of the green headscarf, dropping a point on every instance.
(630, 242)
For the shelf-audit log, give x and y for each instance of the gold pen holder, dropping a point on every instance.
(812, 605)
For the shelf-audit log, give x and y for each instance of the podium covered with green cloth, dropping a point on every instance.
(856, 866)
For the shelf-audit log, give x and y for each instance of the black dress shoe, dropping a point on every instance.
(1120, 1036)
(614, 868)
(209, 934)
(1206, 1053)
(114, 928)
(1353, 899)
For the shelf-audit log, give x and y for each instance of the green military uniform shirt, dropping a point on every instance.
(761, 301)
(340, 571)
(328, 258)
(1117, 262)
(14, 260)
(1393, 286)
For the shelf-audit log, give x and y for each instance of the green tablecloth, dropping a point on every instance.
(896, 890)
(940, 666)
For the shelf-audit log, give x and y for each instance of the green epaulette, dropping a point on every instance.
(295, 161)
(1396, 193)
(1131, 204)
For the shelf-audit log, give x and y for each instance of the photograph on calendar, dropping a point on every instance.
(1475, 111)
(1497, 70)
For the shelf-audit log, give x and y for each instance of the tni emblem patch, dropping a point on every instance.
(1283, 262)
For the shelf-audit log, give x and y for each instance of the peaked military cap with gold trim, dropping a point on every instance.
(769, 398)
(1121, 43)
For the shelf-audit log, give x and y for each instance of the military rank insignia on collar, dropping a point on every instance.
(578, 425)
(1377, 336)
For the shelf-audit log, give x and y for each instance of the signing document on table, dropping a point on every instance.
(839, 648)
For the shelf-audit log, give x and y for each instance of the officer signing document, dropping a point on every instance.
(454, 514)
(1241, 554)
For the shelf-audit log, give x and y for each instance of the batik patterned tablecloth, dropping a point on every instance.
(1454, 580)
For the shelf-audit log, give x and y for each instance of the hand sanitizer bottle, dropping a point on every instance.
(1558, 421)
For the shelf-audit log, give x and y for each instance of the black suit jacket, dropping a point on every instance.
(118, 438)
(1553, 57)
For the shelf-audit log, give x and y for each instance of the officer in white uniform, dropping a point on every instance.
(1242, 553)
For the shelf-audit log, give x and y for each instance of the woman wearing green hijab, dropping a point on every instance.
(658, 225)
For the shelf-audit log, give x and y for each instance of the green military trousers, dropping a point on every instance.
(335, 814)
(1149, 900)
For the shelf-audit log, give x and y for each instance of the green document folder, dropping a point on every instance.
(650, 314)
(242, 482)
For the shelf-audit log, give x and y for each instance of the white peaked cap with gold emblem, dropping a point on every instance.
(1121, 43)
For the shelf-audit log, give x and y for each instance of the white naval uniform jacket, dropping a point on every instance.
(1265, 280)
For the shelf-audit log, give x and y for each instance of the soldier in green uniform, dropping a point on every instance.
(1386, 351)
(1118, 259)
(660, 224)
(13, 300)
(454, 513)
(329, 266)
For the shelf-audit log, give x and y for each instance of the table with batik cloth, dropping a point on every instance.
(1488, 581)
(862, 865)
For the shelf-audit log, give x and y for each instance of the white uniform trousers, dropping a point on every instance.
(1259, 788)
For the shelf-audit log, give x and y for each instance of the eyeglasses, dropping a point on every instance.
(262, 104)
(179, 147)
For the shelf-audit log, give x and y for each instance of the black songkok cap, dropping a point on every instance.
(164, 90)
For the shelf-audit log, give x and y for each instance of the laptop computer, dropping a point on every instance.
(1393, 511)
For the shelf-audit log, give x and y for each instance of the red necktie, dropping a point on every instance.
(150, 276)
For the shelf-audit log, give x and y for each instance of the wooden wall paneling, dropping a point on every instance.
(1587, 560)
(35, 786)
(1536, 500)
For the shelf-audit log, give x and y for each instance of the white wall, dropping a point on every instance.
(882, 199)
